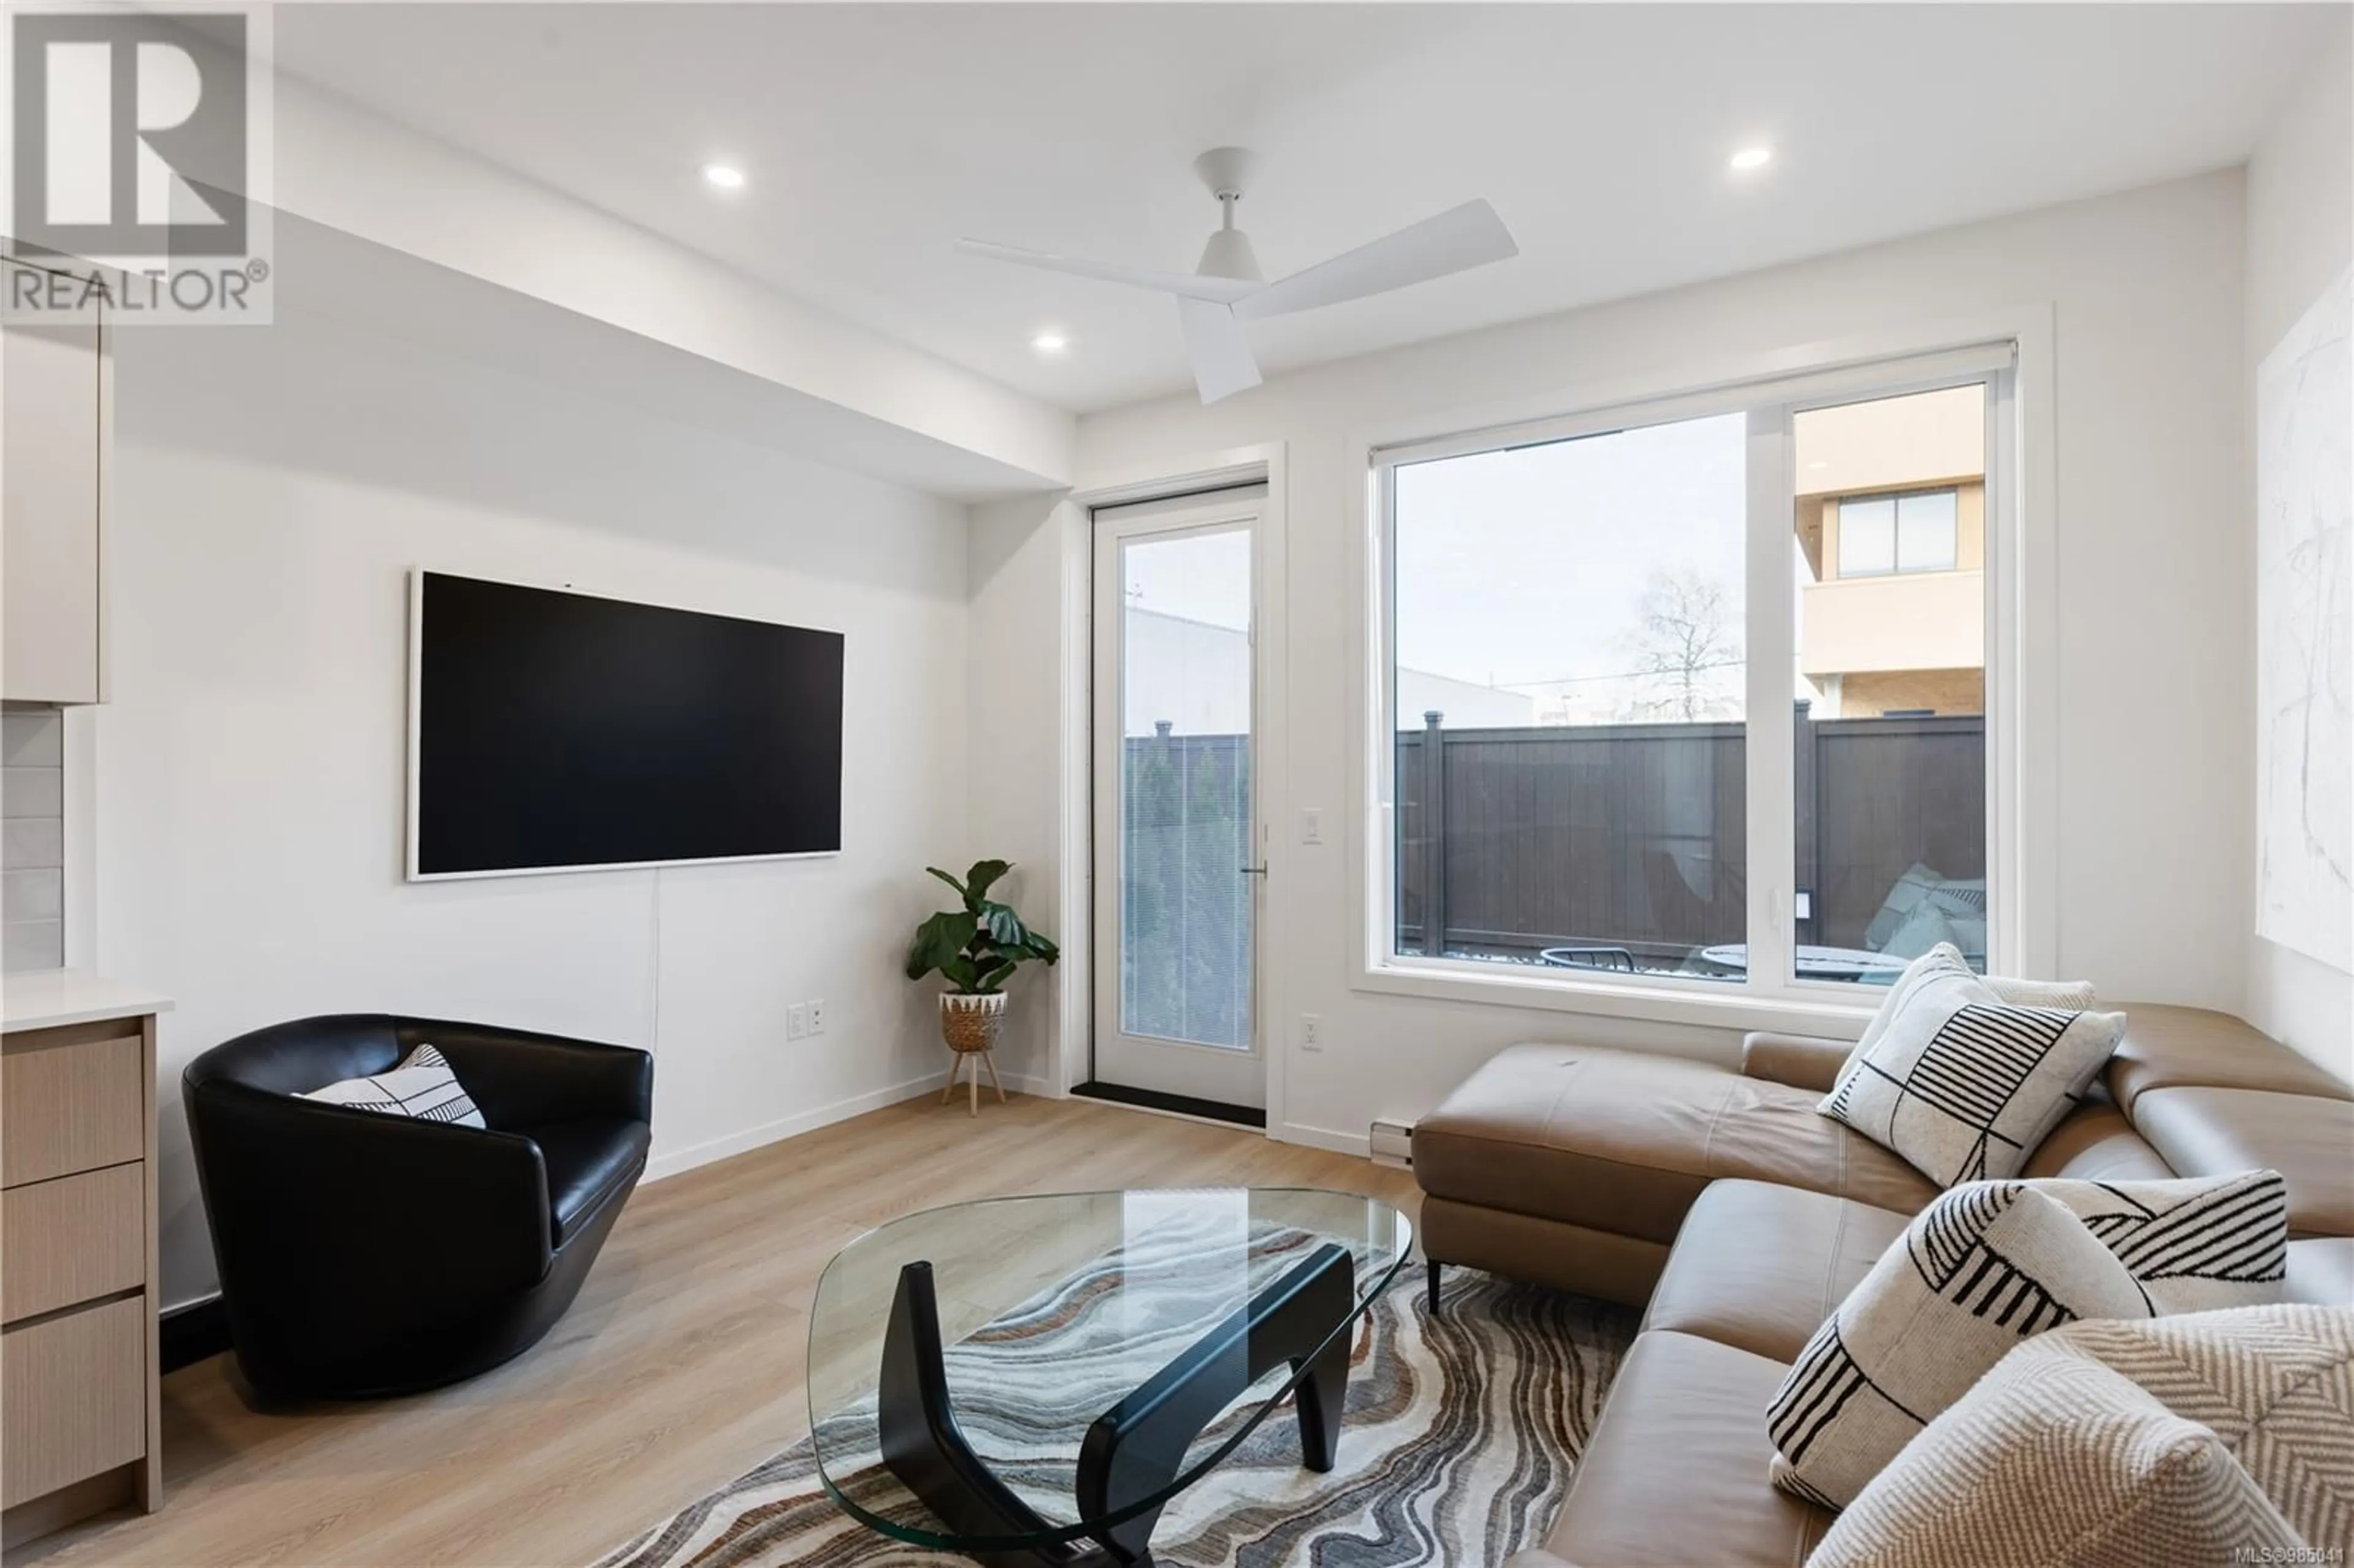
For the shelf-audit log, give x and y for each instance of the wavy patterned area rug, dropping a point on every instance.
(1460, 1437)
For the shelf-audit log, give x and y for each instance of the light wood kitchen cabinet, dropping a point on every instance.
(80, 1416)
(56, 432)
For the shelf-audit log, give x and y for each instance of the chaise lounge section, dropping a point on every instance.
(1737, 1217)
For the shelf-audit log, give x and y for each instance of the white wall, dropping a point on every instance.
(275, 486)
(2300, 239)
(2153, 574)
(1024, 669)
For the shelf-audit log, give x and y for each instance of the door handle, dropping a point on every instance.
(1259, 870)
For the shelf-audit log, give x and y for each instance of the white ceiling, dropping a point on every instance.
(873, 135)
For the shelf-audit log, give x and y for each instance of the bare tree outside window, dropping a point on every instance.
(1687, 651)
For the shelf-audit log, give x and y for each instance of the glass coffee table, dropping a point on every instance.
(1032, 1379)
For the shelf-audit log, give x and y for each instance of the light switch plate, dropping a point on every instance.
(1311, 825)
(797, 1021)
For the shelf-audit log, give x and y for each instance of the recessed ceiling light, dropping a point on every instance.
(1050, 342)
(1752, 158)
(1820, 462)
(726, 176)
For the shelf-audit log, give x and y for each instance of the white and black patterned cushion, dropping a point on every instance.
(423, 1087)
(2076, 995)
(1961, 1082)
(1992, 1263)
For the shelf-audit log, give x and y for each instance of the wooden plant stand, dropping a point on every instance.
(968, 1065)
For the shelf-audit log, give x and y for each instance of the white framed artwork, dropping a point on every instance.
(2304, 633)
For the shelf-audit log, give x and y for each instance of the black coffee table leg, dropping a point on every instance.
(1139, 1445)
(923, 1445)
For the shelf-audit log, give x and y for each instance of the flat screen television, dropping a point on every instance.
(551, 730)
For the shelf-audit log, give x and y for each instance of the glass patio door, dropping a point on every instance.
(1179, 863)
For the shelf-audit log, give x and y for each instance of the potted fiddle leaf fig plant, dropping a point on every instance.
(976, 947)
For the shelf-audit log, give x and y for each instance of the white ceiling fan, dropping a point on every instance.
(1227, 288)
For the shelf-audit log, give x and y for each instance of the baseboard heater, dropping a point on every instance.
(1393, 1144)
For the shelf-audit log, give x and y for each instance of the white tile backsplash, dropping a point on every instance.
(32, 793)
(37, 894)
(32, 945)
(32, 839)
(32, 739)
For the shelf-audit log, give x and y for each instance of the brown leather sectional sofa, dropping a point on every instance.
(1737, 1217)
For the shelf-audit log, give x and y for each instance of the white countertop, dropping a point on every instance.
(47, 998)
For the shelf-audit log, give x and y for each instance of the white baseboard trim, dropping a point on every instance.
(1015, 1084)
(672, 1163)
(1360, 1144)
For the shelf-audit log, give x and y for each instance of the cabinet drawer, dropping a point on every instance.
(77, 1399)
(71, 1099)
(73, 1239)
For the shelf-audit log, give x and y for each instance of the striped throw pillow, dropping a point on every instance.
(1988, 1264)
(423, 1087)
(1962, 1083)
(2209, 1438)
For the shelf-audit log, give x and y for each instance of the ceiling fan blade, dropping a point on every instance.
(1186, 285)
(1456, 240)
(1213, 339)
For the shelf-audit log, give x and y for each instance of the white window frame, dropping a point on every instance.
(2008, 351)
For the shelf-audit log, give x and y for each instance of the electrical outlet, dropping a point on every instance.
(1312, 1031)
(817, 1016)
(1311, 825)
(797, 1021)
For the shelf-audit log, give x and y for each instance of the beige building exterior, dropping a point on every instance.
(1892, 614)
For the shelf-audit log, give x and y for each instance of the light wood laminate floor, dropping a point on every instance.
(679, 1368)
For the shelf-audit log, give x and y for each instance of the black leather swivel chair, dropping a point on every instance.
(364, 1254)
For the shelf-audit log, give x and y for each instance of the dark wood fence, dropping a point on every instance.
(1876, 795)
(1636, 836)
(1618, 836)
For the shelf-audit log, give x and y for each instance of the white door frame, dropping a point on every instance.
(1259, 463)
(1224, 1075)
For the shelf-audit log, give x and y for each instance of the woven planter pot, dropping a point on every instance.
(970, 1024)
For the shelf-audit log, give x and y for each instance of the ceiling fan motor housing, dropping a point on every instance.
(1227, 172)
(1229, 255)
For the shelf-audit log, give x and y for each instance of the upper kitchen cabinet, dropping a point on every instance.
(55, 419)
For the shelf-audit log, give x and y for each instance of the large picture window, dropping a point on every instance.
(1571, 702)
(1693, 696)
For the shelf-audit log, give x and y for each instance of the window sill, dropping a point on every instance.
(1727, 1007)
